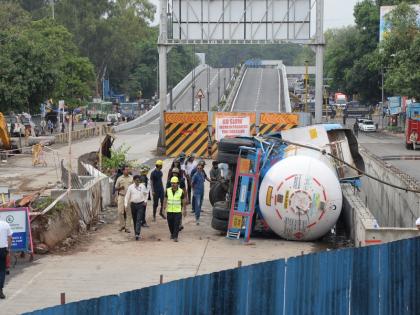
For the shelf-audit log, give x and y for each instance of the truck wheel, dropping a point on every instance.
(232, 145)
(221, 213)
(220, 225)
(217, 193)
(227, 157)
(408, 146)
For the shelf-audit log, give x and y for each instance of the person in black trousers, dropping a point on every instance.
(158, 191)
(174, 206)
(5, 245)
(136, 196)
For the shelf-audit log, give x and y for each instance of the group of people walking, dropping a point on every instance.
(185, 185)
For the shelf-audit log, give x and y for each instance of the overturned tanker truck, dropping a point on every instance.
(288, 183)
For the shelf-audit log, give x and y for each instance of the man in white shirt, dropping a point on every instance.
(136, 196)
(418, 224)
(5, 245)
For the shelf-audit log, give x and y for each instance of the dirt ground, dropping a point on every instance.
(107, 261)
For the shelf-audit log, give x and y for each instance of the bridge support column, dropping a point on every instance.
(163, 50)
(319, 71)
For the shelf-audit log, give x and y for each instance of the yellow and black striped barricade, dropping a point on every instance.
(186, 132)
(273, 122)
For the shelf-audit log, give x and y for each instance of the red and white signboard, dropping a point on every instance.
(234, 126)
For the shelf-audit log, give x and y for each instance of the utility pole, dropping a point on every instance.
(208, 88)
(218, 87)
(383, 97)
(306, 86)
(319, 73)
(162, 48)
(193, 81)
(52, 9)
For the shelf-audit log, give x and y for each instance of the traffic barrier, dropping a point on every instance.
(186, 132)
(82, 134)
(273, 122)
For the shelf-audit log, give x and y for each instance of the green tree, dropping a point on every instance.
(40, 61)
(400, 52)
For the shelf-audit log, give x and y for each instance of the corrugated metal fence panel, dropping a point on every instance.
(319, 283)
(105, 305)
(365, 281)
(381, 279)
(400, 277)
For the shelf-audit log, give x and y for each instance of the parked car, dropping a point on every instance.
(367, 125)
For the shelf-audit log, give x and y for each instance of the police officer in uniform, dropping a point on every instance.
(121, 186)
(174, 206)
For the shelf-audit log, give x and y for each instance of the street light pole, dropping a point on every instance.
(193, 82)
(52, 9)
(208, 88)
(218, 87)
(383, 97)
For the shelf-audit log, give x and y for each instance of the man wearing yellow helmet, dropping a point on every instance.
(158, 191)
(174, 206)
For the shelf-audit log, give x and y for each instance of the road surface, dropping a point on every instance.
(260, 90)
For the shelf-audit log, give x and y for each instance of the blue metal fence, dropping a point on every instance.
(383, 279)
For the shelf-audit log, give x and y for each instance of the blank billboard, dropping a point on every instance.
(241, 20)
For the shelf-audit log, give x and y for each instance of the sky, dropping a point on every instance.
(338, 13)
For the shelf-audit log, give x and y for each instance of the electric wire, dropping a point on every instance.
(324, 152)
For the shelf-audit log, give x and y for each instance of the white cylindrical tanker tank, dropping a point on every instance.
(300, 197)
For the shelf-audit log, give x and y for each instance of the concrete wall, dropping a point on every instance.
(88, 202)
(362, 224)
(390, 206)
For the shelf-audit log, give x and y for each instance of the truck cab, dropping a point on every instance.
(412, 126)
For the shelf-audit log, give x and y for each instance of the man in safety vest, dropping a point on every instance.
(174, 207)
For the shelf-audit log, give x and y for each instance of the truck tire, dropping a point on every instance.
(219, 225)
(227, 157)
(408, 146)
(231, 145)
(217, 193)
(221, 213)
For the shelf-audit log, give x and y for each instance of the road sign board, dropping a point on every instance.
(200, 94)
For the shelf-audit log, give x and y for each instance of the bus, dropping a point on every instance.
(98, 111)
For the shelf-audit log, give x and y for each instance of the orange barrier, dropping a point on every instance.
(273, 122)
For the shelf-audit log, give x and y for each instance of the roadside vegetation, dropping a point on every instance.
(68, 56)
(355, 60)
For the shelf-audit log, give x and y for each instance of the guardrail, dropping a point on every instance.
(234, 90)
(155, 111)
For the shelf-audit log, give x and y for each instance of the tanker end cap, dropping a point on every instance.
(300, 198)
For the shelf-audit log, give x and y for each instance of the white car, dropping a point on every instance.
(367, 125)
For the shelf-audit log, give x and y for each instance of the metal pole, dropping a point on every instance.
(162, 42)
(193, 83)
(171, 104)
(218, 86)
(319, 73)
(69, 151)
(383, 97)
(52, 9)
(306, 86)
(200, 103)
(100, 148)
(208, 88)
